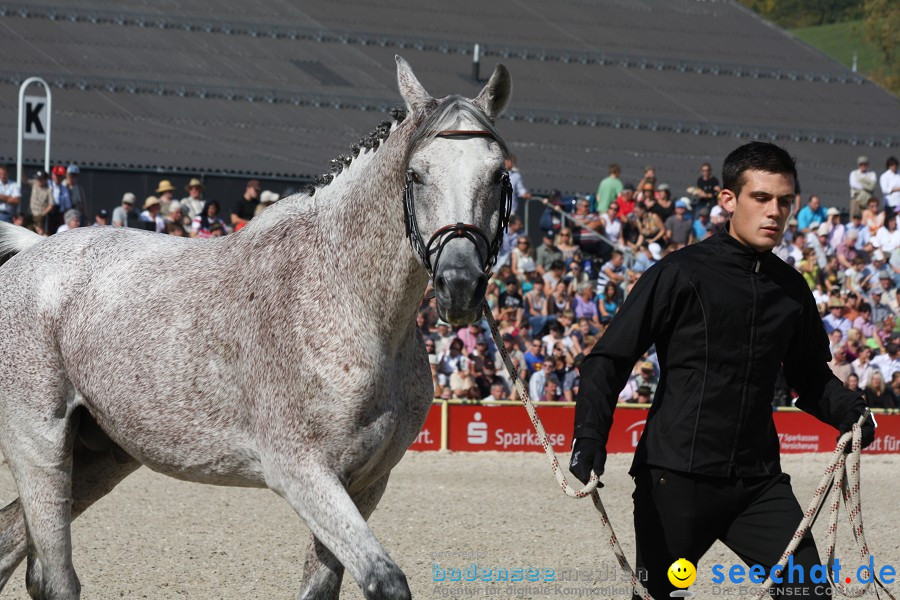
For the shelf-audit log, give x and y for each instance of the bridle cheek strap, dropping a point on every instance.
(444, 235)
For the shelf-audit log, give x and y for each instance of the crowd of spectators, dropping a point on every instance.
(57, 202)
(553, 298)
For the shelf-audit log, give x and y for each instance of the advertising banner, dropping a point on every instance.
(477, 427)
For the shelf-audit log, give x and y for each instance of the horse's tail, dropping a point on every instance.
(14, 239)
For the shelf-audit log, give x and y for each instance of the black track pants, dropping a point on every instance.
(678, 515)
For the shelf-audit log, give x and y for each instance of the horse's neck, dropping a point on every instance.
(359, 218)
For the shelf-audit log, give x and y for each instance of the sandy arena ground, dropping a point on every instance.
(155, 537)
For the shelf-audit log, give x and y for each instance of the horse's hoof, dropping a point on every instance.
(387, 583)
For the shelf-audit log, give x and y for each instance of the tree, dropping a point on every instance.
(880, 26)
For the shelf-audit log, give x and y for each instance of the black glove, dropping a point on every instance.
(587, 454)
(868, 427)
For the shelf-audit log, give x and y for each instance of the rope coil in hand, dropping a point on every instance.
(835, 479)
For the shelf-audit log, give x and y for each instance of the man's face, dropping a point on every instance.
(195, 191)
(863, 167)
(252, 192)
(705, 171)
(627, 194)
(4, 174)
(536, 347)
(762, 209)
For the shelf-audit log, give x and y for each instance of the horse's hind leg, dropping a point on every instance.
(94, 474)
(322, 572)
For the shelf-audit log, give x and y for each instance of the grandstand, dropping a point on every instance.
(232, 89)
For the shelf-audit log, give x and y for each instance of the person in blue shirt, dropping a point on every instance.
(811, 216)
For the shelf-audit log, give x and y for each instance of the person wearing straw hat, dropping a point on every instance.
(151, 218)
(165, 192)
(192, 204)
(726, 316)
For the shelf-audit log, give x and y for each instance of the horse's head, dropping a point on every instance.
(457, 191)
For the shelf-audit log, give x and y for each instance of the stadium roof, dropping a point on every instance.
(276, 89)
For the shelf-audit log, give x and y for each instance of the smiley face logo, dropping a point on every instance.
(682, 573)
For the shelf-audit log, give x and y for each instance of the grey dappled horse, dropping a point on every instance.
(297, 363)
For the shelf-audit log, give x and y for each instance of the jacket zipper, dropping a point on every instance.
(737, 433)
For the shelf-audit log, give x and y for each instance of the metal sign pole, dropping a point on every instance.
(46, 137)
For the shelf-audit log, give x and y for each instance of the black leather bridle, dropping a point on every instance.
(460, 230)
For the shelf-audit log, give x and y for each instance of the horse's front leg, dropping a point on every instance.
(322, 502)
(322, 572)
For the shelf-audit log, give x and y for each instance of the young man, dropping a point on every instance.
(724, 314)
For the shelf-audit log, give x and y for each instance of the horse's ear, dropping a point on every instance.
(410, 88)
(494, 98)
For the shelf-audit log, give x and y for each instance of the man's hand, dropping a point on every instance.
(868, 427)
(588, 455)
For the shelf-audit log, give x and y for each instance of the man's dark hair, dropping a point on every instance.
(614, 169)
(892, 160)
(756, 156)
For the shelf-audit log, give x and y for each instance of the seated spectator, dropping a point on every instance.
(878, 394)
(644, 395)
(679, 229)
(585, 305)
(888, 362)
(522, 257)
(613, 270)
(560, 300)
(544, 370)
(151, 218)
(535, 355)
(566, 244)
(552, 392)
(488, 379)
(862, 366)
(101, 219)
(835, 319)
(497, 393)
(839, 365)
(852, 383)
(124, 215)
(609, 302)
(873, 216)
(71, 220)
(202, 226)
(463, 384)
(547, 253)
(887, 239)
(452, 362)
(811, 216)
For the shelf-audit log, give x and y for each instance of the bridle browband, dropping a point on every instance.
(460, 230)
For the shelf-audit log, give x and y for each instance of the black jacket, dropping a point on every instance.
(724, 318)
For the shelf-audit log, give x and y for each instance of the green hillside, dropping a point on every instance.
(840, 41)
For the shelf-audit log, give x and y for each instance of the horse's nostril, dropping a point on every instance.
(440, 283)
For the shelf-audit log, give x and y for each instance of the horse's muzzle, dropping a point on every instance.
(459, 292)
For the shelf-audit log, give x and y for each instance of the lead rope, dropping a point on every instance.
(834, 479)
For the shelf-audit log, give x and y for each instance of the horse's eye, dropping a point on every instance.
(498, 176)
(414, 176)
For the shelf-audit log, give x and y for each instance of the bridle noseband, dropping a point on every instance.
(460, 230)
